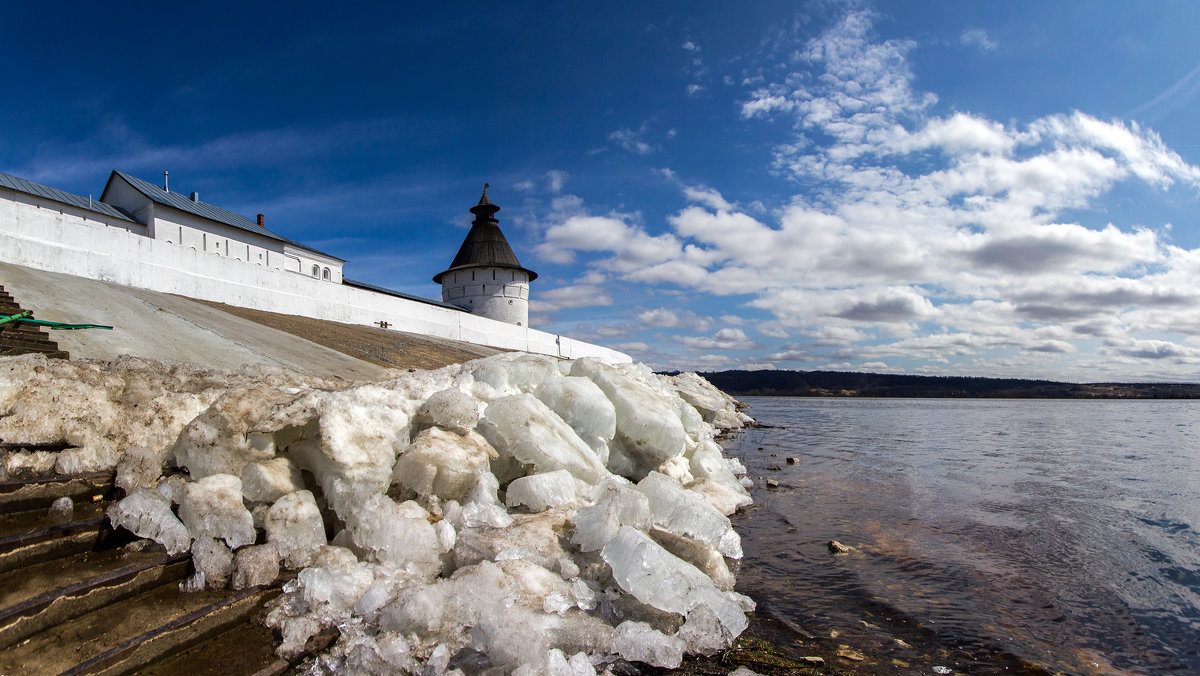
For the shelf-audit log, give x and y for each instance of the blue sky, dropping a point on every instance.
(1000, 189)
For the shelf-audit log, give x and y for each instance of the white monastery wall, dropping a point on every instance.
(47, 236)
(11, 201)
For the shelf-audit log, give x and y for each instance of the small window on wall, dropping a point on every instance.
(316, 271)
(325, 274)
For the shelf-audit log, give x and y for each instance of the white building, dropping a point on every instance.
(485, 278)
(170, 217)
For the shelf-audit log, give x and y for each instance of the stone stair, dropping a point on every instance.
(77, 597)
(18, 338)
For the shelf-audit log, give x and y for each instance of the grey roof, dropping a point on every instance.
(399, 294)
(205, 210)
(485, 245)
(28, 187)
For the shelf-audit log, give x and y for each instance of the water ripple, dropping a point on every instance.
(1064, 531)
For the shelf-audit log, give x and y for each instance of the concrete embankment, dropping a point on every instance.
(172, 329)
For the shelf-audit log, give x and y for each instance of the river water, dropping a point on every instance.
(1062, 533)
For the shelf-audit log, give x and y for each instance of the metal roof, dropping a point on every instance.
(485, 245)
(399, 294)
(28, 187)
(206, 210)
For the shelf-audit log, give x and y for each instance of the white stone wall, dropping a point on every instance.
(10, 201)
(47, 239)
(496, 293)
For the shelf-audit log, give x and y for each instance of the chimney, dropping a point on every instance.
(260, 221)
(195, 197)
(166, 186)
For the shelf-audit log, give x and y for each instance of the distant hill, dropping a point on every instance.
(841, 384)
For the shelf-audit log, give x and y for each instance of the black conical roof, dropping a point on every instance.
(485, 245)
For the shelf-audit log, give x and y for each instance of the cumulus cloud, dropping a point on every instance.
(664, 318)
(708, 197)
(565, 297)
(726, 339)
(920, 235)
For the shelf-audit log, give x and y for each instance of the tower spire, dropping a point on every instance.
(485, 211)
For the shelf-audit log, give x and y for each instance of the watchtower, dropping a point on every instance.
(485, 277)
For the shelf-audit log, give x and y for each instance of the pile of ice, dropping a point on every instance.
(511, 514)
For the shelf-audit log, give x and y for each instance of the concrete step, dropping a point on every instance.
(39, 493)
(46, 594)
(77, 597)
(57, 542)
(22, 330)
(27, 340)
(218, 629)
(17, 343)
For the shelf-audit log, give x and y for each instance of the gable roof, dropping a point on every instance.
(28, 187)
(485, 245)
(204, 210)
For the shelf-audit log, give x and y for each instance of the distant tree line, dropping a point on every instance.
(842, 384)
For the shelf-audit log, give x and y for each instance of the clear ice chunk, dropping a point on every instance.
(540, 492)
(677, 510)
(639, 642)
(583, 406)
(443, 463)
(254, 566)
(523, 428)
(212, 507)
(147, 514)
(269, 480)
(295, 528)
(659, 579)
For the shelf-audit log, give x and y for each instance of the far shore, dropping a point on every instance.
(845, 384)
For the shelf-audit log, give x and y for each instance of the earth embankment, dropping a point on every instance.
(173, 329)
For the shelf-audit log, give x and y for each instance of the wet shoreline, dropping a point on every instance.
(780, 640)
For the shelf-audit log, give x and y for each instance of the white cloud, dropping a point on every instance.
(555, 180)
(729, 338)
(977, 37)
(674, 319)
(583, 233)
(565, 297)
(924, 236)
(633, 140)
(708, 197)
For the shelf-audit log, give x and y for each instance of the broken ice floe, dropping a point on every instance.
(512, 514)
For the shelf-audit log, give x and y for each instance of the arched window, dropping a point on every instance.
(316, 271)
(325, 274)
